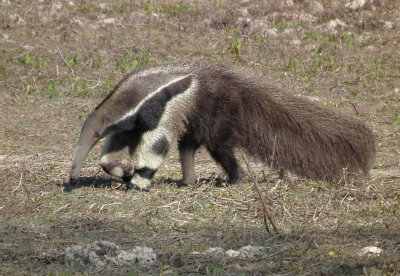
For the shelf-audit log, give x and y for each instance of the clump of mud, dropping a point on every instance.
(100, 254)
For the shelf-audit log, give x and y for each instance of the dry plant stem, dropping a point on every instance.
(353, 104)
(62, 57)
(22, 181)
(264, 204)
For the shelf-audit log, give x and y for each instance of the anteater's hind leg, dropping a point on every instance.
(116, 157)
(187, 149)
(225, 156)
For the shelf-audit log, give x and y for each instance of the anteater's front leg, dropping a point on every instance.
(187, 149)
(150, 153)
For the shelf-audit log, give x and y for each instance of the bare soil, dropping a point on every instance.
(58, 59)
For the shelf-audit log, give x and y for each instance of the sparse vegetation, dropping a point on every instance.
(58, 59)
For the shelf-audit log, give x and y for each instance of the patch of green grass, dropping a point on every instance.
(233, 46)
(177, 8)
(169, 8)
(4, 72)
(281, 26)
(292, 64)
(70, 59)
(51, 88)
(214, 269)
(27, 88)
(80, 87)
(148, 9)
(348, 40)
(260, 38)
(32, 59)
(378, 69)
(97, 63)
(131, 60)
(116, 9)
(313, 36)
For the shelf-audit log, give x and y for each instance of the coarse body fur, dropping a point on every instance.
(221, 107)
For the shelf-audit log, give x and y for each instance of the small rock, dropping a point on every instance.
(215, 251)
(243, 22)
(126, 257)
(145, 255)
(364, 37)
(232, 253)
(370, 251)
(250, 251)
(333, 25)
(336, 23)
(99, 254)
(316, 7)
(295, 42)
(396, 248)
(109, 21)
(388, 25)
(244, 12)
(289, 3)
(55, 9)
(16, 18)
(270, 32)
(306, 17)
(77, 21)
(355, 5)
(207, 22)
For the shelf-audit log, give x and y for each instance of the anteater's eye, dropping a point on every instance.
(96, 134)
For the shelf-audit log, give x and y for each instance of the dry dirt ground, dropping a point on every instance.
(58, 59)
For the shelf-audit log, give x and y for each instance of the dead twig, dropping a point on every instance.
(110, 204)
(22, 182)
(264, 204)
(352, 104)
(62, 57)
(61, 208)
(21, 55)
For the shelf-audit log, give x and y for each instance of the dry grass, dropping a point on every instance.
(59, 58)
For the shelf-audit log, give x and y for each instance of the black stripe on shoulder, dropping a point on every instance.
(150, 112)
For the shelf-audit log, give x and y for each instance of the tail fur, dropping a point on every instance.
(308, 140)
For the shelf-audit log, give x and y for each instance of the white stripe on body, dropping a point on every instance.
(171, 126)
(136, 109)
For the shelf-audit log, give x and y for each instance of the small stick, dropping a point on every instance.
(62, 57)
(59, 209)
(264, 204)
(353, 104)
(21, 182)
(106, 205)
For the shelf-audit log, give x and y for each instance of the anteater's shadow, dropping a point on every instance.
(108, 183)
(96, 182)
(117, 184)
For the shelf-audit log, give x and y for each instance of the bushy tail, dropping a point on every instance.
(306, 139)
